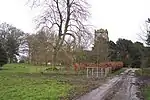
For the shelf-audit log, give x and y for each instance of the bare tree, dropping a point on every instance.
(65, 18)
(40, 47)
(145, 31)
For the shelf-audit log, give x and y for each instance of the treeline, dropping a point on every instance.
(42, 47)
(132, 54)
(64, 37)
(39, 48)
(11, 39)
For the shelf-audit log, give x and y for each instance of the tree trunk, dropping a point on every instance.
(55, 57)
(46, 60)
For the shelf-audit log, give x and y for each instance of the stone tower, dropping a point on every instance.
(100, 49)
(101, 33)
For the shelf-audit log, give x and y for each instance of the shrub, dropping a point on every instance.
(21, 61)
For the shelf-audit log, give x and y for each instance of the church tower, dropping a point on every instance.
(100, 49)
(101, 33)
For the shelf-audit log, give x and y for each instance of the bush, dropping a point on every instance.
(52, 69)
(21, 61)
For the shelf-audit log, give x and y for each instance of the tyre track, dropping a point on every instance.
(119, 88)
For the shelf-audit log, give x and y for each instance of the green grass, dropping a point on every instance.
(145, 72)
(23, 68)
(146, 93)
(17, 83)
(117, 72)
(28, 82)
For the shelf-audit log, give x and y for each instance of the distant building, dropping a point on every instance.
(100, 49)
(101, 33)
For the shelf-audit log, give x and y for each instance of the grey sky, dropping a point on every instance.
(122, 18)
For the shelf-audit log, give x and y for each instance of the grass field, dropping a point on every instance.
(146, 89)
(27, 82)
(18, 83)
(147, 93)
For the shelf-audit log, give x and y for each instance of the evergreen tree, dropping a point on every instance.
(3, 56)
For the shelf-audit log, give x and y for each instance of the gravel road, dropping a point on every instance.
(121, 87)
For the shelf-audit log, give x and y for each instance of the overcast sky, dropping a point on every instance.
(122, 18)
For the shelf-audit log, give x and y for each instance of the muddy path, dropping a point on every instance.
(122, 87)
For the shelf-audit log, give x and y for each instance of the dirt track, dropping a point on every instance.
(119, 88)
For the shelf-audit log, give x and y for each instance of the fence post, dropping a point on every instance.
(97, 71)
(92, 72)
(87, 72)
